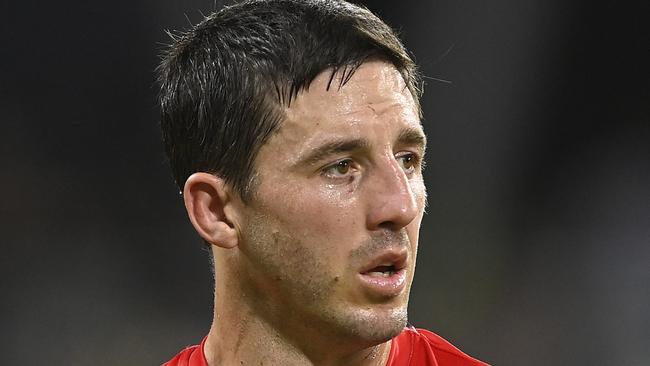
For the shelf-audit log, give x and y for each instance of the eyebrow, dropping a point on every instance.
(334, 147)
(412, 136)
(407, 136)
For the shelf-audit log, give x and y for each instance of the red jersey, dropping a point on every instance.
(414, 347)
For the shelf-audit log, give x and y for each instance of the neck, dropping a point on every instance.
(240, 336)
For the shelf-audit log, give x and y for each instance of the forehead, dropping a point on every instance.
(374, 97)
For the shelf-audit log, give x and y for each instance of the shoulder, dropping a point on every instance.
(422, 347)
(190, 356)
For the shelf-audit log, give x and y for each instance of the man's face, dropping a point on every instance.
(330, 237)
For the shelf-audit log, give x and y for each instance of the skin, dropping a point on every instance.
(339, 184)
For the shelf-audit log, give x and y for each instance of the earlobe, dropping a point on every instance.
(206, 197)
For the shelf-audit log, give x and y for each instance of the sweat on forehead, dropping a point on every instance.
(353, 97)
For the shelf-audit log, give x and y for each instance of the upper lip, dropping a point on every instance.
(395, 258)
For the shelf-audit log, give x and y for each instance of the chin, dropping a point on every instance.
(374, 326)
(388, 326)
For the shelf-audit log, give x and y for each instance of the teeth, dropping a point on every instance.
(381, 274)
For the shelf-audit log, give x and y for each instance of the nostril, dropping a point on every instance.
(389, 225)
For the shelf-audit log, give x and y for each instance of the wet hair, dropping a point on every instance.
(225, 82)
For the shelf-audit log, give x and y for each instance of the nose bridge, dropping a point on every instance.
(392, 203)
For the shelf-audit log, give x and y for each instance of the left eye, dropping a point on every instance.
(408, 162)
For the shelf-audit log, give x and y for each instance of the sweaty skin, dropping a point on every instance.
(339, 189)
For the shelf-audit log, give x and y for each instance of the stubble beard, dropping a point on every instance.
(303, 292)
(369, 327)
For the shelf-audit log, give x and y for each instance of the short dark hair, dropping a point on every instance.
(224, 82)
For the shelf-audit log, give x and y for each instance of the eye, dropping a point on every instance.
(408, 161)
(339, 169)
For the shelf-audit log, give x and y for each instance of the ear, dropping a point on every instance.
(206, 198)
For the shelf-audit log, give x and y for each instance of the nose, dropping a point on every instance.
(392, 203)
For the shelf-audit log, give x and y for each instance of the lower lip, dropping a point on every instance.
(388, 286)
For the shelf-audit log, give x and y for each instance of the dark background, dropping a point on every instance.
(535, 249)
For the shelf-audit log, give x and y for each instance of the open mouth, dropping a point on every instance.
(386, 280)
(382, 271)
(385, 276)
(385, 265)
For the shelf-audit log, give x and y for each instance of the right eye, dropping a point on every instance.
(340, 169)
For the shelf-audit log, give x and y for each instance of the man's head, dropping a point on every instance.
(318, 101)
(225, 82)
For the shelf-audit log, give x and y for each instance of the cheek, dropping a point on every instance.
(280, 267)
(275, 245)
(323, 216)
(293, 258)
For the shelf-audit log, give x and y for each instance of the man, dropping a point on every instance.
(293, 129)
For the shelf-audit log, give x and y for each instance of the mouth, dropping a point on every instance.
(385, 275)
(382, 271)
(385, 264)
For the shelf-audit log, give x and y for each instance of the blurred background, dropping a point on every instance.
(535, 249)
